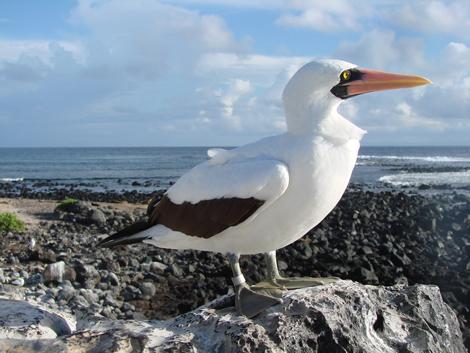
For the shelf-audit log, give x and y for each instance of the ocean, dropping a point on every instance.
(420, 169)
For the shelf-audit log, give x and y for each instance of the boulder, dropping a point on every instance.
(341, 317)
(80, 207)
(87, 275)
(96, 216)
(20, 320)
(57, 273)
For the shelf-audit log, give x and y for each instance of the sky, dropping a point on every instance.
(85, 73)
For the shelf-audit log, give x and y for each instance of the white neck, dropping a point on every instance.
(320, 117)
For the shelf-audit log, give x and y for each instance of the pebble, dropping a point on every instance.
(18, 282)
(148, 289)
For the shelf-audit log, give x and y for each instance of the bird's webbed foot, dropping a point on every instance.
(289, 283)
(302, 282)
(250, 301)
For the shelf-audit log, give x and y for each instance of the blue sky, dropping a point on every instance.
(211, 72)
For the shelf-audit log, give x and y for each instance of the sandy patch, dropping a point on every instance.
(32, 212)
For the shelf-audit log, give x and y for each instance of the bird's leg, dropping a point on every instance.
(250, 302)
(275, 279)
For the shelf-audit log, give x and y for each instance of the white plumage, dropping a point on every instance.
(300, 174)
(265, 195)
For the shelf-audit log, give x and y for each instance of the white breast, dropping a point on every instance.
(319, 170)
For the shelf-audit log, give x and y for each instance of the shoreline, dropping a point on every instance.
(136, 190)
(378, 238)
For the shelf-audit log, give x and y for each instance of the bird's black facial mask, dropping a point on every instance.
(347, 76)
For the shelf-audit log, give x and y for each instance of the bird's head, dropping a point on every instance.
(316, 90)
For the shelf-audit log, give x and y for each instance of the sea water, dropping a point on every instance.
(148, 168)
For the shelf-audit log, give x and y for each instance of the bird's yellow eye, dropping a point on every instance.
(346, 75)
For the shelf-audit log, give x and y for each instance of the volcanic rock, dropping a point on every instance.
(44, 256)
(87, 275)
(341, 317)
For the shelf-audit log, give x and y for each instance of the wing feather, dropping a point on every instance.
(211, 198)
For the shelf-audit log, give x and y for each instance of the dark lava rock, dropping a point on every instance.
(384, 238)
(44, 256)
(87, 275)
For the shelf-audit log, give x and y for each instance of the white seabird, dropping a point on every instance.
(32, 244)
(265, 195)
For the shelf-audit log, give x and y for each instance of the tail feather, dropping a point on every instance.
(128, 235)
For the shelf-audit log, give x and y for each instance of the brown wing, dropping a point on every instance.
(205, 218)
(124, 236)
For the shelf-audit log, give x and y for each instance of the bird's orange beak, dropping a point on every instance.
(373, 81)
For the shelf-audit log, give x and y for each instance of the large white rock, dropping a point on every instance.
(23, 320)
(340, 317)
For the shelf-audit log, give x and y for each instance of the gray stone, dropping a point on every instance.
(79, 301)
(369, 276)
(175, 271)
(34, 279)
(113, 266)
(18, 282)
(87, 275)
(148, 289)
(282, 265)
(400, 259)
(65, 284)
(113, 279)
(145, 267)
(128, 307)
(96, 217)
(66, 294)
(112, 302)
(90, 297)
(53, 292)
(48, 299)
(80, 208)
(158, 266)
(427, 224)
(340, 317)
(128, 295)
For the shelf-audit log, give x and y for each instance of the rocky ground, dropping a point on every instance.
(373, 238)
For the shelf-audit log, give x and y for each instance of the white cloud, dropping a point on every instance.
(381, 49)
(325, 16)
(261, 70)
(263, 4)
(433, 17)
(454, 63)
(27, 69)
(141, 67)
(11, 50)
(235, 91)
(150, 39)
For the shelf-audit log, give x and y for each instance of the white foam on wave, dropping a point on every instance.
(414, 179)
(11, 179)
(439, 159)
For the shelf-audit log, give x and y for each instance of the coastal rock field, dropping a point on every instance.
(380, 238)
